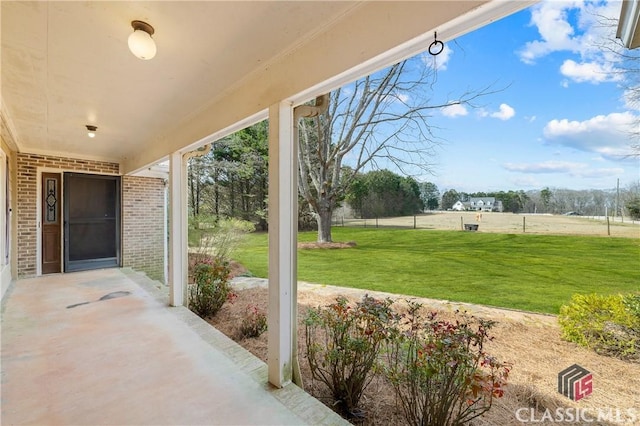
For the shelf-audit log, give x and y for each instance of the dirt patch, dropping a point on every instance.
(530, 341)
(237, 269)
(332, 245)
(508, 223)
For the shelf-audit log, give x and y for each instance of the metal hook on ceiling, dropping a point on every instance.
(436, 47)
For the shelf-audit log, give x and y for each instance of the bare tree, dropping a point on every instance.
(382, 118)
(626, 65)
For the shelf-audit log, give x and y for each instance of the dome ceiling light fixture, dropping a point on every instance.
(91, 131)
(140, 42)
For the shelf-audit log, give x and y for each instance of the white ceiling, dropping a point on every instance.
(67, 64)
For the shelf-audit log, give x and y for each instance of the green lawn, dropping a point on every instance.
(530, 272)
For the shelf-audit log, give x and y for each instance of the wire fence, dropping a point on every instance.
(510, 223)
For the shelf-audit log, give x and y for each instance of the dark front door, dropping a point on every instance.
(51, 221)
(92, 221)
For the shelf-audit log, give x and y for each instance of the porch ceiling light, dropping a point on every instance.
(140, 42)
(91, 131)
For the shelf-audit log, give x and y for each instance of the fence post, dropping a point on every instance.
(414, 221)
(524, 224)
(608, 227)
(461, 223)
(376, 221)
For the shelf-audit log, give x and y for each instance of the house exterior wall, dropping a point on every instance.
(143, 219)
(143, 225)
(27, 199)
(7, 218)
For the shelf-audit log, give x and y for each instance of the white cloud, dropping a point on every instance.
(580, 28)
(402, 97)
(505, 113)
(396, 97)
(544, 167)
(607, 135)
(556, 32)
(594, 173)
(456, 110)
(576, 170)
(438, 62)
(591, 72)
(526, 182)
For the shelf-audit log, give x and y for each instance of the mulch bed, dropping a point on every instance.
(534, 347)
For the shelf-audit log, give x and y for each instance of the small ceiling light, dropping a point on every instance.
(140, 42)
(91, 131)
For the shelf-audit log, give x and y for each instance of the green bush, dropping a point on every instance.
(211, 288)
(254, 323)
(343, 347)
(608, 324)
(633, 205)
(440, 371)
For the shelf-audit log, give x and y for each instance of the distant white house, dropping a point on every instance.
(484, 204)
(458, 206)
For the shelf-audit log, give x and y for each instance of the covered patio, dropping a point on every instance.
(70, 358)
(142, 358)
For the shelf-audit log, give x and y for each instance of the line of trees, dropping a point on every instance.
(512, 201)
(588, 202)
(381, 193)
(232, 179)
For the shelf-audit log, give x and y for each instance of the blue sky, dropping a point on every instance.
(562, 122)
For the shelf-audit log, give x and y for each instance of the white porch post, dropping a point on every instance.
(177, 229)
(283, 231)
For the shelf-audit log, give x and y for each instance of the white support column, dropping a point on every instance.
(283, 231)
(177, 230)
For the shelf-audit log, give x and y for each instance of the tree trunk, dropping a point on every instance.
(324, 225)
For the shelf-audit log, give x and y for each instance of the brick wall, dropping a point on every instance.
(27, 203)
(143, 220)
(143, 207)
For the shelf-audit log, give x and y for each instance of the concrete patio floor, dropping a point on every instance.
(69, 358)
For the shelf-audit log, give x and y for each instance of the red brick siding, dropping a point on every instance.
(143, 221)
(27, 204)
(142, 213)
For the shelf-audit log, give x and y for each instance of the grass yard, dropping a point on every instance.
(530, 272)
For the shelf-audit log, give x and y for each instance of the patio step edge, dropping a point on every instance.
(302, 404)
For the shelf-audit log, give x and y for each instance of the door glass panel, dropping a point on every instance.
(51, 200)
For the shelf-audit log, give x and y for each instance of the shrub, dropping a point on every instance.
(254, 323)
(217, 237)
(608, 324)
(211, 288)
(343, 347)
(440, 371)
(633, 205)
(632, 303)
